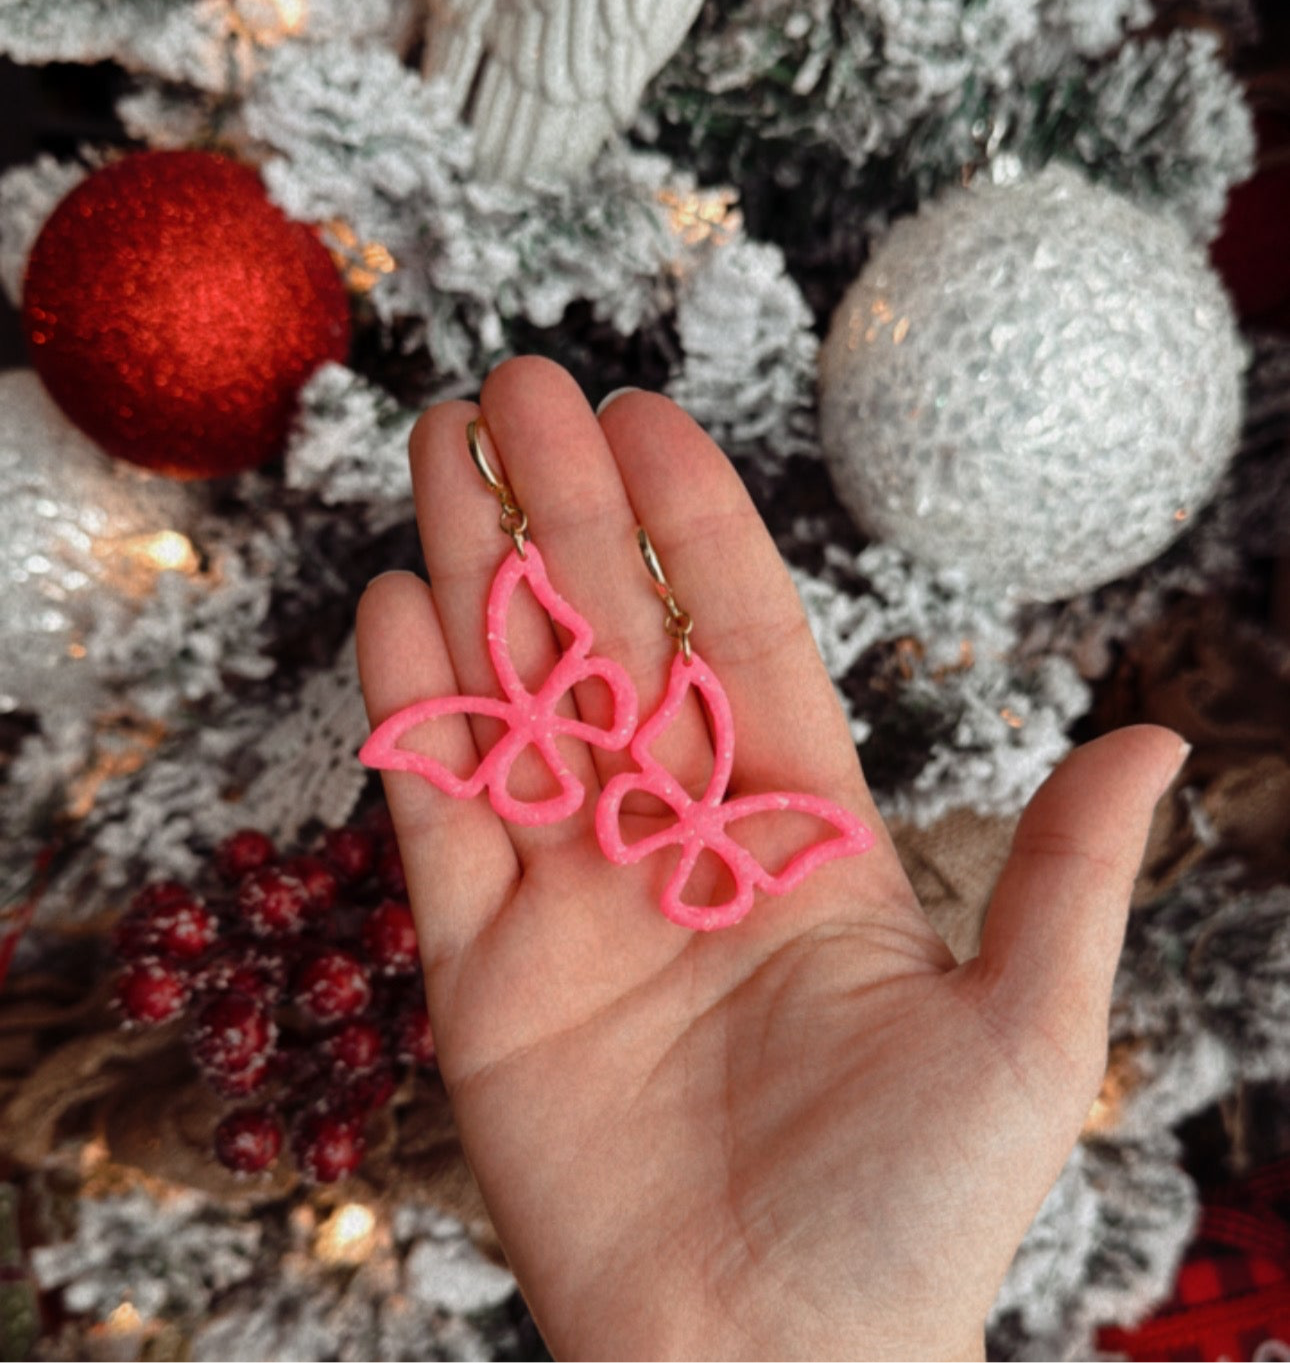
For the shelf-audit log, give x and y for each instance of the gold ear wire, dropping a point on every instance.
(514, 519)
(678, 623)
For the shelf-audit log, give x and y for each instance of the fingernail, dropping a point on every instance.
(1184, 751)
(391, 572)
(611, 397)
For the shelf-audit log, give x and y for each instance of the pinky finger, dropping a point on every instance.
(458, 858)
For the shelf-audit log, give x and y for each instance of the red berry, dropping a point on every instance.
(379, 821)
(132, 936)
(355, 1049)
(319, 880)
(413, 1040)
(251, 969)
(158, 893)
(390, 938)
(150, 993)
(248, 1140)
(180, 926)
(333, 985)
(187, 930)
(272, 903)
(328, 1146)
(351, 852)
(389, 871)
(363, 1094)
(242, 1084)
(233, 1034)
(242, 852)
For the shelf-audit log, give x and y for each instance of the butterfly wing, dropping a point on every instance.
(574, 664)
(384, 749)
(529, 717)
(701, 824)
(852, 837)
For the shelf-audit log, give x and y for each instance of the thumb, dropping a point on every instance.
(1055, 926)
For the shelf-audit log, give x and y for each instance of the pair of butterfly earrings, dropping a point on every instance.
(531, 720)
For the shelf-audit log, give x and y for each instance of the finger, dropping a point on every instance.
(565, 476)
(1055, 926)
(459, 861)
(749, 626)
(464, 547)
(748, 620)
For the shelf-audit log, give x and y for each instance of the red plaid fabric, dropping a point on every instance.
(1232, 1295)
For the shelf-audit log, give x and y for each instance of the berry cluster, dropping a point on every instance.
(300, 980)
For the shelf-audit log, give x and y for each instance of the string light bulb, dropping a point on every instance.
(348, 1234)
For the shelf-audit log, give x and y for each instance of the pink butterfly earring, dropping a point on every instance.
(701, 823)
(529, 716)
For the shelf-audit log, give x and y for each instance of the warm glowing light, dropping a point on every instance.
(1011, 718)
(362, 263)
(269, 21)
(698, 217)
(293, 14)
(125, 1320)
(134, 561)
(1119, 1078)
(94, 1153)
(167, 551)
(347, 1235)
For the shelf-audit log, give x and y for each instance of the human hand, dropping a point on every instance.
(811, 1134)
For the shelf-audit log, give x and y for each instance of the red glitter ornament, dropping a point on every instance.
(173, 312)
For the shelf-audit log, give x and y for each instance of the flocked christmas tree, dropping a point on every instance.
(942, 263)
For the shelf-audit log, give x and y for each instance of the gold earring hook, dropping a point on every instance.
(513, 520)
(678, 623)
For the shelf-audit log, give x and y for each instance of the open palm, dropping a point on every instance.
(810, 1134)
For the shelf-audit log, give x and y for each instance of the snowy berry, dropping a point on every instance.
(159, 893)
(186, 931)
(242, 852)
(132, 937)
(379, 822)
(272, 903)
(232, 1035)
(328, 1146)
(355, 1049)
(363, 1094)
(413, 1040)
(248, 1140)
(333, 985)
(179, 926)
(248, 968)
(351, 852)
(389, 871)
(242, 1083)
(151, 992)
(390, 939)
(320, 882)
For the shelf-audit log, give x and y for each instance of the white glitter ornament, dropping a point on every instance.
(1035, 384)
(81, 538)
